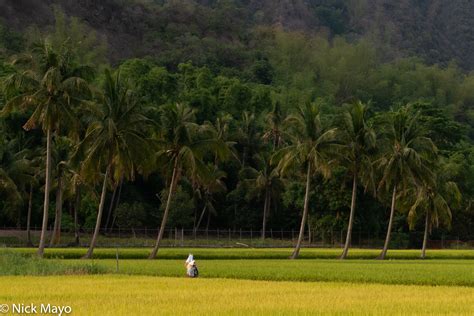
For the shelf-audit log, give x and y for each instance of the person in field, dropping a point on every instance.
(191, 267)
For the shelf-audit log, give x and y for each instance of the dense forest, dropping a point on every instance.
(209, 31)
(209, 122)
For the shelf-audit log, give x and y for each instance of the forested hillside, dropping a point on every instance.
(238, 114)
(436, 30)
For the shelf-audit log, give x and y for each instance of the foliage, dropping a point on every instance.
(224, 97)
(130, 215)
(183, 209)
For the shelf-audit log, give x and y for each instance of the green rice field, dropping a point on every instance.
(242, 281)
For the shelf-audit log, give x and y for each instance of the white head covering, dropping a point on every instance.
(190, 258)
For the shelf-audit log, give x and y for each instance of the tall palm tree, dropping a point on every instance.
(210, 183)
(265, 180)
(247, 135)
(311, 144)
(183, 145)
(61, 152)
(221, 131)
(115, 140)
(74, 189)
(275, 121)
(359, 142)
(432, 199)
(51, 83)
(16, 175)
(35, 163)
(405, 160)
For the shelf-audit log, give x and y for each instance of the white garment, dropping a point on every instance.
(190, 258)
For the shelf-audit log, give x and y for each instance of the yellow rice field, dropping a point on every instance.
(146, 295)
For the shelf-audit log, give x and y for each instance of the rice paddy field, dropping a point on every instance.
(242, 281)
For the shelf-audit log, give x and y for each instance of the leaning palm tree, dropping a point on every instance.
(115, 140)
(432, 199)
(266, 181)
(310, 145)
(359, 141)
(183, 144)
(51, 83)
(405, 160)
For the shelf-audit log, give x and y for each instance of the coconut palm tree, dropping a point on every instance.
(405, 160)
(247, 136)
(210, 183)
(432, 199)
(51, 83)
(311, 143)
(358, 144)
(115, 140)
(265, 180)
(35, 163)
(183, 144)
(16, 175)
(275, 121)
(61, 153)
(221, 132)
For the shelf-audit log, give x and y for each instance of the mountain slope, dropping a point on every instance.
(436, 30)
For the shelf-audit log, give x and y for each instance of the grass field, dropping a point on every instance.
(247, 253)
(139, 295)
(229, 283)
(435, 272)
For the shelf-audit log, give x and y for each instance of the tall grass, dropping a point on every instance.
(12, 263)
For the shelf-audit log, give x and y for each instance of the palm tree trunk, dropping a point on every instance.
(18, 218)
(383, 254)
(425, 237)
(200, 220)
(47, 188)
(99, 215)
(28, 218)
(174, 179)
(117, 202)
(195, 211)
(305, 214)
(59, 210)
(208, 222)
(266, 207)
(77, 206)
(111, 206)
(351, 219)
(309, 230)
